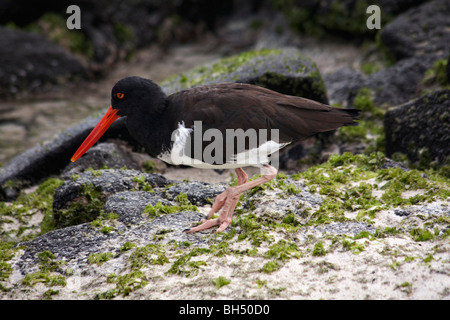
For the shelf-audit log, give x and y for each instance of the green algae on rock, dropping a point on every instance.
(286, 71)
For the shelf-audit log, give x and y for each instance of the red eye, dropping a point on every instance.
(120, 95)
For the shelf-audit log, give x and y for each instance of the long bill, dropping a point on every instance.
(97, 132)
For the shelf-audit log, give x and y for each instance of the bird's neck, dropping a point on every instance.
(151, 128)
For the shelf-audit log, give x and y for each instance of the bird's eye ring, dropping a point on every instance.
(120, 95)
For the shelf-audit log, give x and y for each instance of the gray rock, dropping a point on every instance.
(198, 193)
(419, 31)
(101, 155)
(82, 199)
(129, 205)
(74, 244)
(352, 228)
(392, 86)
(29, 62)
(421, 128)
(51, 157)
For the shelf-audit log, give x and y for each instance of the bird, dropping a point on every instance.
(217, 126)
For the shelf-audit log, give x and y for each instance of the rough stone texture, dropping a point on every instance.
(286, 71)
(420, 31)
(167, 263)
(108, 181)
(392, 86)
(29, 62)
(421, 128)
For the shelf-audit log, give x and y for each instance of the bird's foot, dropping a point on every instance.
(225, 202)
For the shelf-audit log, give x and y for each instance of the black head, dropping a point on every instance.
(133, 93)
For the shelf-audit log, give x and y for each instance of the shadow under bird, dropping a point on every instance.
(166, 126)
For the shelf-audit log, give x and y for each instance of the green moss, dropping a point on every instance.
(283, 250)
(319, 250)
(271, 266)
(125, 284)
(143, 184)
(7, 252)
(48, 279)
(385, 189)
(150, 254)
(88, 207)
(437, 73)
(224, 66)
(184, 267)
(160, 209)
(352, 246)
(221, 281)
(47, 274)
(100, 258)
(422, 234)
(26, 205)
(149, 166)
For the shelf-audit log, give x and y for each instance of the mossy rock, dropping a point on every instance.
(286, 71)
(420, 129)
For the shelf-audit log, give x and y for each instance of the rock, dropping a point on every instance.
(351, 228)
(422, 30)
(198, 193)
(391, 86)
(129, 205)
(112, 30)
(82, 198)
(341, 17)
(29, 62)
(420, 129)
(286, 71)
(343, 85)
(51, 157)
(327, 221)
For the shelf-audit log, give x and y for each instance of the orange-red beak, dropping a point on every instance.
(97, 132)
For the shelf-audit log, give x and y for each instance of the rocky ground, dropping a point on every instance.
(342, 221)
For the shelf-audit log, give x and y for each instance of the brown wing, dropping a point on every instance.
(234, 105)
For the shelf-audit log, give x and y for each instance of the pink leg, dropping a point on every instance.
(227, 200)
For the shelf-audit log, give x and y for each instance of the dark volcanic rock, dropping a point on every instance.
(392, 86)
(286, 71)
(421, 128)
(129, 205)
(29, 62)
(83, 198)
(108, 181)
(52, 156)
(420, 31)
(198, 193)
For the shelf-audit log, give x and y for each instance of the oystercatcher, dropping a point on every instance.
(225, 125)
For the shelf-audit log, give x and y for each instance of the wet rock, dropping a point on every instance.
(29, 62)
(51, 157)
(286, 71)
(419, 31)
(420, 129)
(391, 86)
(75, 244)
(82, 198)
(198, 193)
(130, 205)
(102, 155)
